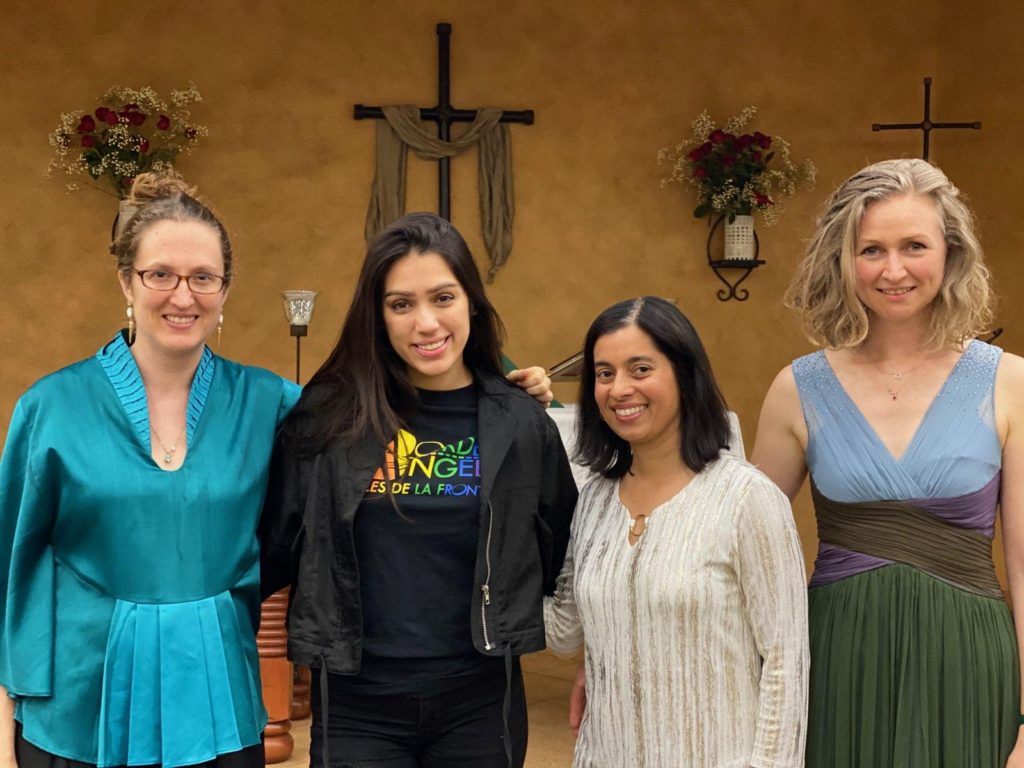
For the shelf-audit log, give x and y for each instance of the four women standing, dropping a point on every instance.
(683, 576)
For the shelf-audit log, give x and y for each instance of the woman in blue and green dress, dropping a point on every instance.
(130, 488)
(912, 431)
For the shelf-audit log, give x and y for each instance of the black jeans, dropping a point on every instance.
(461, 728)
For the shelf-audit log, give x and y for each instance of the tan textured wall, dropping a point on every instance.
(611, 82)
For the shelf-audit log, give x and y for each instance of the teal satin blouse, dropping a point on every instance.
(129, 595)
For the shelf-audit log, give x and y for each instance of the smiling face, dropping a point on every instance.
(426, 313)
(900, 257)
(178, 322)
(635, 389)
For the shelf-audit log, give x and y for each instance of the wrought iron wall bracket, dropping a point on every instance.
(732, 289)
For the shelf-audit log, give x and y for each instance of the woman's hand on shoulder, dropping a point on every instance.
(781, 442)
(535, 382)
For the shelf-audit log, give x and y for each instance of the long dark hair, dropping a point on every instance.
(704, 418)
(363, 389)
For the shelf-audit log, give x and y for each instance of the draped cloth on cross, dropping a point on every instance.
(402, 128)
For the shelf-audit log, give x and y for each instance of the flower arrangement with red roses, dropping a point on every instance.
(729, 167)
(129, 132)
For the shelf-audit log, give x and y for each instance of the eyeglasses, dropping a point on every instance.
(162, 280)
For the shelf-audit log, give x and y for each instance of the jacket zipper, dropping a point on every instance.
(486, 588)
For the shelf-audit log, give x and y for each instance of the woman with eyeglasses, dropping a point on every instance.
(130, 488)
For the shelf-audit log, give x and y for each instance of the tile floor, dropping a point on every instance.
(548, 679)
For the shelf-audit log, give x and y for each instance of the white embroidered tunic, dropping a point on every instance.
(696, 637)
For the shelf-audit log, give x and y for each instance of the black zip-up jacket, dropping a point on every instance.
(527, 497)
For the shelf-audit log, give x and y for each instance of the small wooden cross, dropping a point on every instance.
(444, 114)
(926, 125)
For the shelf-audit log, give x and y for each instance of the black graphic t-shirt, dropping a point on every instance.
(416, 563)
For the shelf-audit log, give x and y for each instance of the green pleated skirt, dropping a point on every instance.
(908, 671)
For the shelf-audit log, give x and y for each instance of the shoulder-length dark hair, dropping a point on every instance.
(363, 389)
(704, 418)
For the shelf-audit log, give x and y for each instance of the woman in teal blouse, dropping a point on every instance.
(130, 487)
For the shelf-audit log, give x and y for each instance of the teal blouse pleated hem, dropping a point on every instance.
(167, 664)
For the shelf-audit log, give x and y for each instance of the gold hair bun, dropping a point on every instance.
(154, 186)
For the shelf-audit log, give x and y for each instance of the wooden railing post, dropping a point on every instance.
(276, 674)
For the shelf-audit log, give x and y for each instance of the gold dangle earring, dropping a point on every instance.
(131, 325)
(220, 327)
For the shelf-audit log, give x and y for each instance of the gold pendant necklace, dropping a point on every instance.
(899, 376)
(637, 526)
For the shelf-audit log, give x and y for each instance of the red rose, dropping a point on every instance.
(744, 141)
(700, 173)
(109, 117)
(762, 200)
(705, 148)
(101, 114)
(728, 160)
(163, 122)
(762, 141)
(132, 115)
(717, 137)
(143, 145)
(88, 141)
(86, 124)
(694, 154)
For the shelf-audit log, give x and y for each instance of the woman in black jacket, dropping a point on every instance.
(420, 508)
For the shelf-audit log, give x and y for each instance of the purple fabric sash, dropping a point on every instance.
(950, 539)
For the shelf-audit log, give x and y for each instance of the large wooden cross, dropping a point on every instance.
(444, 114)
(926, 125)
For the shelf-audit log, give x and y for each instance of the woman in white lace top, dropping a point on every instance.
(684, 579)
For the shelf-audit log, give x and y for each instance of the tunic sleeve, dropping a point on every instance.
(771, 574)
(562, 627)
(27, 510)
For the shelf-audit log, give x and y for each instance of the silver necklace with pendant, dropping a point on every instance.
(168, 452)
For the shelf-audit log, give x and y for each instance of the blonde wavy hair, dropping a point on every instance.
(823, 290)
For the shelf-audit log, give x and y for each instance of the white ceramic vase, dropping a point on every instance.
(739, 238)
